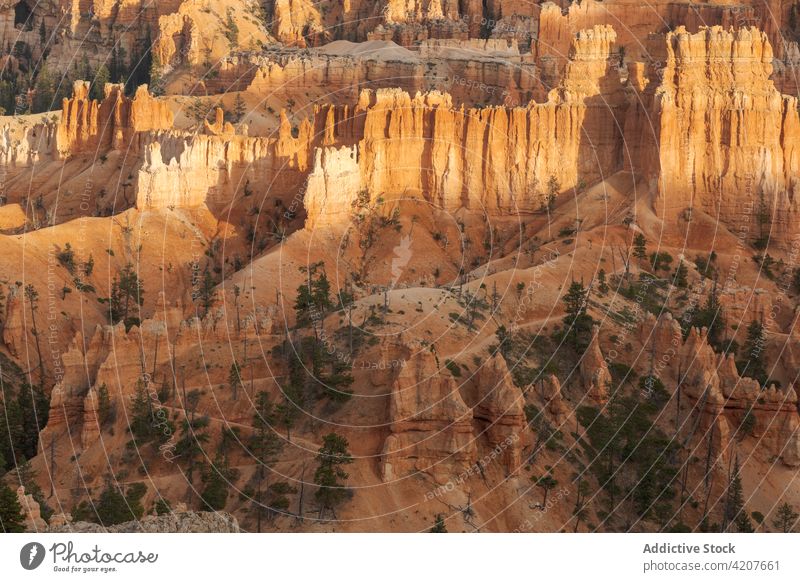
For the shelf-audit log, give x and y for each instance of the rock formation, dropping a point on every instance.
(500, 406)
(725, 140)
(430, 426)
(31, 511)
(88, 125)
(594, 371)
(176, 522)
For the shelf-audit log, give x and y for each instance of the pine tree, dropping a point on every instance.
(265, 445)
(330, 475)
(216, 478)
(546, 483)
(235, 379)
(239, 108)
(32, 295)
(753, 363)
(438, 526)
(34, 408)
(97, 90)
(288, 410)
(681, 276)
(602, 285)
(577, 323)
(735, 511)
(190, 446)
(11, 518)
(639, 246)
(112, 508)
(785, 518)
(104, 411)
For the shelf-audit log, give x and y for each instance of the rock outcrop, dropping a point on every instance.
(31, 512)
(89, 125)
(177, 522)
(725, 140)
(594, 371)
(430, 425)
(500, 407)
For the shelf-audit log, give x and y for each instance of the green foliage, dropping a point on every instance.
(639, 246)
(162, 506)
(216, 480)
(23, 414)
(101, 77)
(785, 518)
(11, 518)
(752, 363)
(748, 423)
(105, 413)
(653, 388)
(66, 257)
(190, 445)
(453, 367)
(313, 299)
(710, 316)
(127, 293)
(602, 284)
(631, 454)
(681, 276)
(235, 379)
(660, 261)
(330, 476)
(133, 498)
(545, 483)
(577, 323)
(88, 266)
(147, 422)
(706, 265)
(112, 507)
(231, 30)
(735, 511)
(438, 526)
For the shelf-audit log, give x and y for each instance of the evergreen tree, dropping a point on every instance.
(127, 292)
(97, 90)
(33, 407)
(577, 323)
(265, 445)
(785, 518)
(105, 414)
(681, 276)
(11, 518)
(112, 507)
(235, 379)
(206, 291)
(639, 246)
(546, 483)
(288, 410)
(330, 475)
(438, 526)
(602, 285)
(190, 446)
(239, 108)
(753, 363)
(133, 499)
(216, 480)
(735, 511)
(162, 507)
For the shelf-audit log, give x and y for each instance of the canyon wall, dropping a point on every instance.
(493, 159)
(712, 132)
(473, 71)
(87, 125)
